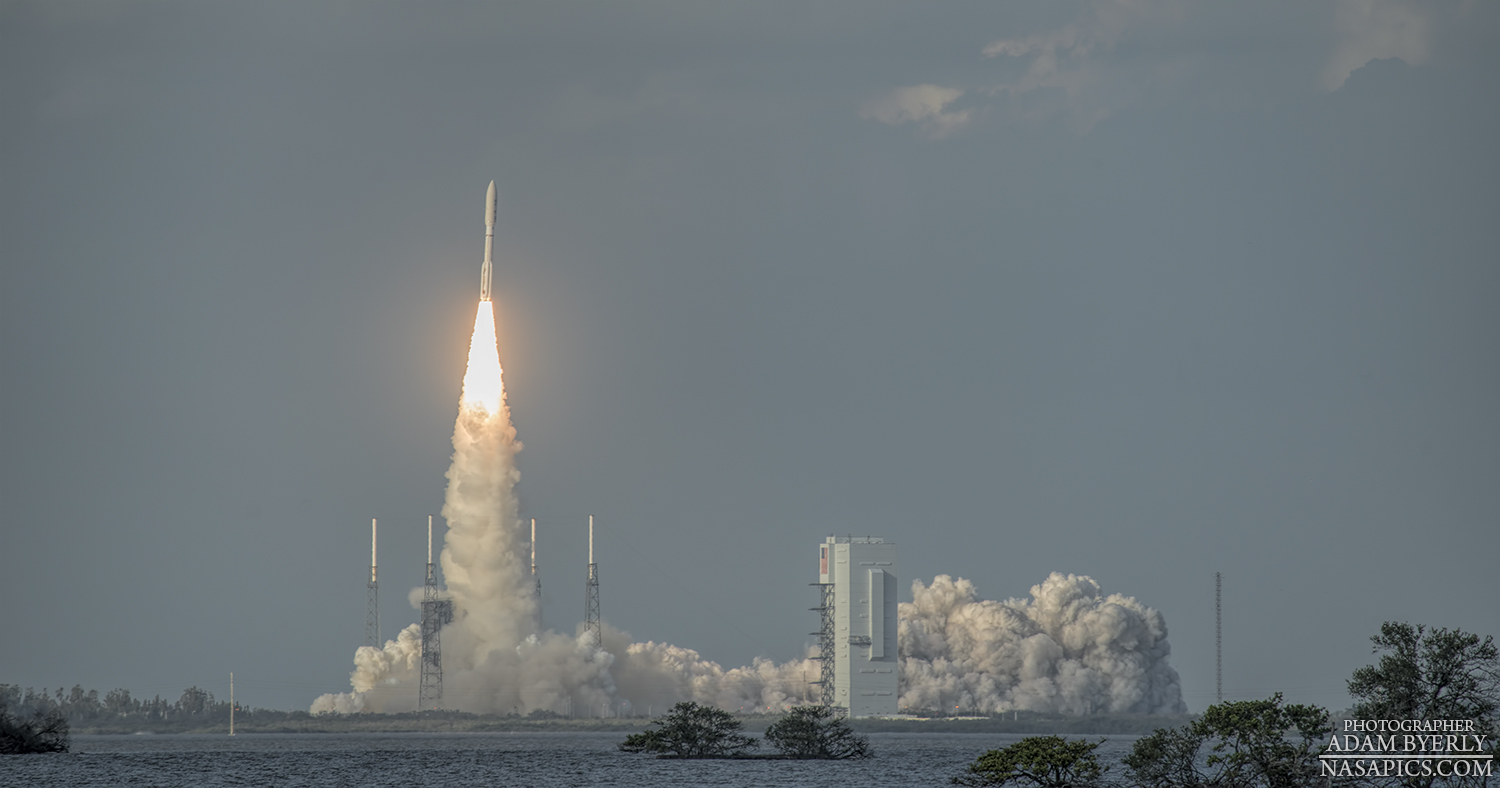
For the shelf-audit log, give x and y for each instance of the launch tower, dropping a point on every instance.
(591, 595)
(857, 575)
(436, 612)
(372, 608)
(535, 578)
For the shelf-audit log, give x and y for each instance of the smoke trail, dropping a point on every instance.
(494, 613)
(1068, 649)
(495, 658)
(492, 604)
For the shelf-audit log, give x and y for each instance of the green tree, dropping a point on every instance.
(1439, 674)
(815, 732)
(1255, 744)
(118, 703)
(1168, 758)
(1038, 762)
(194, 702)
(42, 731)
(691, 731)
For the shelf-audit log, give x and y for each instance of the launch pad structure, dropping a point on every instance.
(536, 579)
(827, 650)
(1218, 638)
(436, 612)
(372, 607)
(857, 639)
(591, 595)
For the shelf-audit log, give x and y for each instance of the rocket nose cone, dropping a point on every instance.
(489, 205)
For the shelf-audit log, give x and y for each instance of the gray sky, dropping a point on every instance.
(1137, 290)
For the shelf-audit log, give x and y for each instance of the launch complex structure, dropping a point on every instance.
(856, 579)
(857, 636)
(437, 612)
(857, 583)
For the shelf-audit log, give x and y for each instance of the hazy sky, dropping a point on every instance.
(1137, 290)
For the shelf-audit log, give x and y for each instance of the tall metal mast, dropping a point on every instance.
(1218, 638)
(435, 613)
(536, 578)
(372, 611)
(591, 611)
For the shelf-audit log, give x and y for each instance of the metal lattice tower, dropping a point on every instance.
(536, 578)
(826, 643)
(1218, 638)
(591, 595)
(436, 612)
(372, 609)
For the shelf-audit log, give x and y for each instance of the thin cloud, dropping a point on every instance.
(921, 104)
(1374, 29)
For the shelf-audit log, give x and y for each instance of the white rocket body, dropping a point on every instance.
(489, 244)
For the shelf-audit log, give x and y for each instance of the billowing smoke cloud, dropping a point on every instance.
(495, 656)
(1067, 650)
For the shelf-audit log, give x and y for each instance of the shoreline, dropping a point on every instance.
(459, 722)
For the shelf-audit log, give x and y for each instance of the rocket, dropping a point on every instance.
(489, 244)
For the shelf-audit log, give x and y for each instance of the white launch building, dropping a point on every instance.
(860, 572)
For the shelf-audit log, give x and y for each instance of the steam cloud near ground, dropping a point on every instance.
(1067, 649)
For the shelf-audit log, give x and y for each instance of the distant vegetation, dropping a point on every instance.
(118, 712)
(199, 711)
(23, 733)
(816, 733)
(1038, 762)
(693, 731)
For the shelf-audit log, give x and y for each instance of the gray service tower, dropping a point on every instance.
(860, 572)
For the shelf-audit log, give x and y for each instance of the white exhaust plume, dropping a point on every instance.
(495, 656)
(1069, 650)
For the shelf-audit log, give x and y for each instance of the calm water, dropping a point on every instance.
(404, 760)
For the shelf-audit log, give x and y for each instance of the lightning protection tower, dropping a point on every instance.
(536, 578)
(591, 595)
(372, 610)
(1218, 638)
(436, 612)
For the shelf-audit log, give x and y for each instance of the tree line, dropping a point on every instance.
(689, 730)
(83, 707)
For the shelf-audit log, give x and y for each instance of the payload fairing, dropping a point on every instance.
(489, 244)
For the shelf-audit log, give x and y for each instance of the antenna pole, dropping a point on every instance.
(1218, 638)
(591, 595)
(372, 588)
